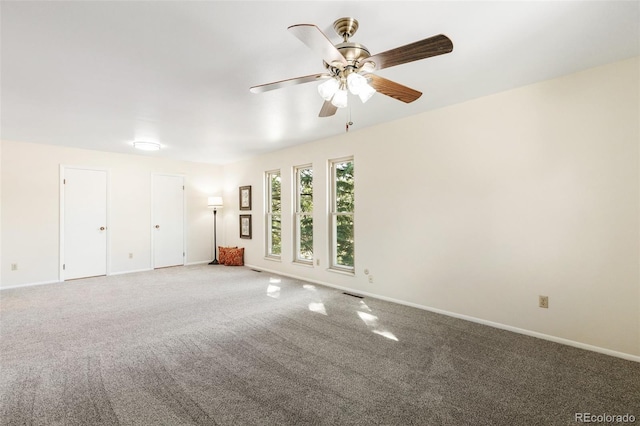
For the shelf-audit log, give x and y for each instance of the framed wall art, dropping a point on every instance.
(245, 197)
(245, 226)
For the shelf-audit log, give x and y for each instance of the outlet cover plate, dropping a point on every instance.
(543, 302)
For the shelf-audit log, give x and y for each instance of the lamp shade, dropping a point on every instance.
(366, 92)
(355, 83)
(340, 99)
(215, 202)
(328, 88)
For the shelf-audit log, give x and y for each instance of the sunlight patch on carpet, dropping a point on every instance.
(318, 307)
(273, 291)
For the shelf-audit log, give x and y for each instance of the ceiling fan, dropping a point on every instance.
(349, 66)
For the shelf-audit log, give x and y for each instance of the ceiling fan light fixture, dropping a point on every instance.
(350, 66)
(328, 88)
(366, 92)
(340, 98)
(355, 82)
(146, 146)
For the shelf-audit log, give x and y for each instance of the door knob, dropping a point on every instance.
(157, 226)
(102, 228)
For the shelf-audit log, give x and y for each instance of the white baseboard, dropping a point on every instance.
(109, 274)
(58, 282)
(130, 272)
(30, 284)
(200, 262)
(526, 332)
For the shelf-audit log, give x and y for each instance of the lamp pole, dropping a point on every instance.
(215, 203)
(215, 244)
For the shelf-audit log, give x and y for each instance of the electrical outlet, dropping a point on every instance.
(371, 279)
(14, 266)
(543, 301)
(317, 262)
(366, 272)
(130, 255)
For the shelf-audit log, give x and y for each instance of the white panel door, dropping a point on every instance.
(85, 223)
(168, 220)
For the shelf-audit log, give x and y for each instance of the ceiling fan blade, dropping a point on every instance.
(314, 38)
(290, 82)
(393, 89)
(328, 109)
(432, 46)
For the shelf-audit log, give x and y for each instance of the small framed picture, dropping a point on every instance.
(245, 226)
(245, 197)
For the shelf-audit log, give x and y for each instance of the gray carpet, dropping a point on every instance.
(214, 345)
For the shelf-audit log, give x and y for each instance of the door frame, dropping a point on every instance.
(184, 218)
(61, 261)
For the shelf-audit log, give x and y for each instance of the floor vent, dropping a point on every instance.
(353, 295)
(255, 270)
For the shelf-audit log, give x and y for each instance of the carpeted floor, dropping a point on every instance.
(230, 346)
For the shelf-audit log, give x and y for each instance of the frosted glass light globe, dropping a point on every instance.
(328, 89)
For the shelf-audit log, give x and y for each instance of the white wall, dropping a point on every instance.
(30, 208)
(0, 210)
(478, 208)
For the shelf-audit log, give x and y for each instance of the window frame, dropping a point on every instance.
(298, 214)
(333, 215)
(268, 176)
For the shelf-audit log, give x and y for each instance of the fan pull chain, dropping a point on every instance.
(348, 123)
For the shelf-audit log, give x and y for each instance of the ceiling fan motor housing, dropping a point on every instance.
(354, 53)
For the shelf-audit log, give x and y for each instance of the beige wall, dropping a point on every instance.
(478, 208)
(1, 263)
(31, 208)
(474, 209)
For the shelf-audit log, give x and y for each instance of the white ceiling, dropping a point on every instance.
(99, 75)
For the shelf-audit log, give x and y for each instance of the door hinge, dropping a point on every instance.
(64, 181)
(183, 187)
(182, 254)
(64, 266)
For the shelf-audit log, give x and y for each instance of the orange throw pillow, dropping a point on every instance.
(222, 254)
(234, 257)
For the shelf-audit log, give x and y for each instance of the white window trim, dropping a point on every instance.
(333, 263)
(297, 214)
(269, 214)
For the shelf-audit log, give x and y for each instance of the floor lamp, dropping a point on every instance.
(215, 203)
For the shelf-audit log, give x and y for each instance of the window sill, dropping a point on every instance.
(303, 264)
(273, 259)
(351, 273)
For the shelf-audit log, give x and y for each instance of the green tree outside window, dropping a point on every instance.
(304, 214)
(274, 214)
(342, 214)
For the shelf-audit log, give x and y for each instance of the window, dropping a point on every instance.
(273, 214)
(303, 178)
(341, 214)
